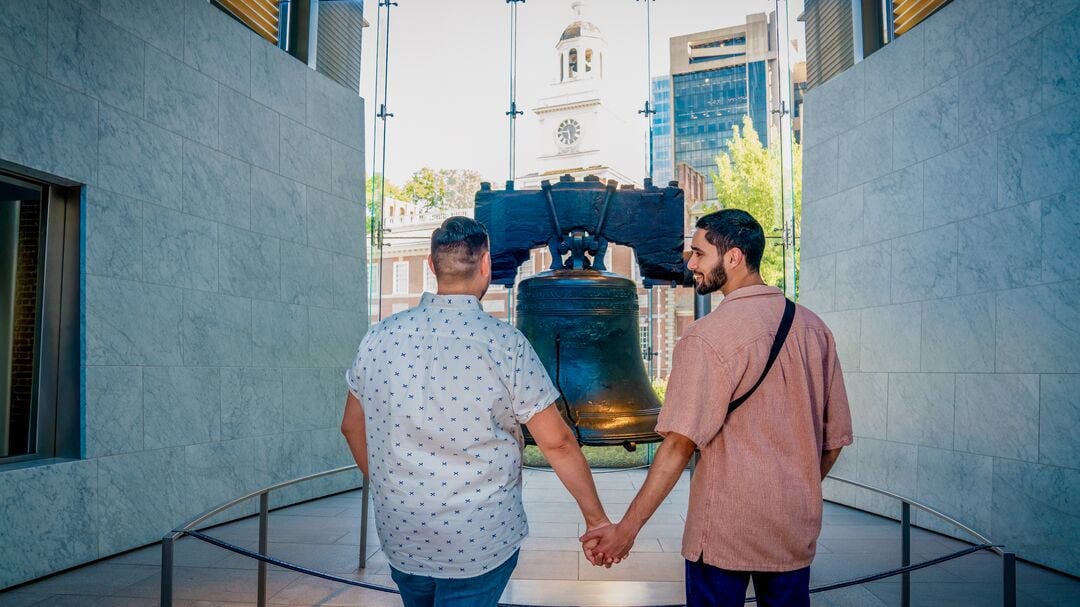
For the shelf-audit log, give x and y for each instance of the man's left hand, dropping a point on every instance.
(608, 545)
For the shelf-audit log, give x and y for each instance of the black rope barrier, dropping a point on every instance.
(333, 578)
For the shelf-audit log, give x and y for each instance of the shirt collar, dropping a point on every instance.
(753, 291)
(429, 300)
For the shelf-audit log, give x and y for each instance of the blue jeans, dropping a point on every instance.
(481, 591)
(712, 586)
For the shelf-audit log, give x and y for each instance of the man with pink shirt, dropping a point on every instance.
(755, 496)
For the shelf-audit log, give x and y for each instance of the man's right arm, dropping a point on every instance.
(559, 446)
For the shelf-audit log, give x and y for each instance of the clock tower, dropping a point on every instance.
(579, 134)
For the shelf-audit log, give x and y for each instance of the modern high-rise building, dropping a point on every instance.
(663, 169)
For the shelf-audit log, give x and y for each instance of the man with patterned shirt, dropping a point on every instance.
(436, 396)
(755, 496)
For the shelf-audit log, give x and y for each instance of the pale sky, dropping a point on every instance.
(449, 72)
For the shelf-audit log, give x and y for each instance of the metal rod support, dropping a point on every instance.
(905, 553)
(167, 545)
(1008, 579)
(264, 519)
(365, 494)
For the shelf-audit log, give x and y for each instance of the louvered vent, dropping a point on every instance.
(909, 13)
(829, 36)
(259, 15)
(341, 25)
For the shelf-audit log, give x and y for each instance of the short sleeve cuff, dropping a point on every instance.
(836, 443)
(690, 431)
(350, 381)
(545, 401)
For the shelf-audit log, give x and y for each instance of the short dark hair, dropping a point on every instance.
(456, 248)
(735, 229)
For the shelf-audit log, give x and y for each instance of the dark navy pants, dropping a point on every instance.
(708, 586)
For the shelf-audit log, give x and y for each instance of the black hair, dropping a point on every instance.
(735, 229)
(456, 247)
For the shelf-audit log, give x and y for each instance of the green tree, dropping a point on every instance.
(442, 188)
(748, 178)
(375, 190)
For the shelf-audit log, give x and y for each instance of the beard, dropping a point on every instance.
(712, 281)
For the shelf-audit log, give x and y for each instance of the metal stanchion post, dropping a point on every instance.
(167, 545)
(364, 522)
(264, 515)
(1008, 579)
(905, 553)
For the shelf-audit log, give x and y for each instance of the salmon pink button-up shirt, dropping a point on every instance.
(755, 497)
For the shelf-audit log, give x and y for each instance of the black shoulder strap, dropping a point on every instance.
(778, 343)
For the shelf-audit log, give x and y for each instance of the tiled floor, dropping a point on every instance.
(324, 535)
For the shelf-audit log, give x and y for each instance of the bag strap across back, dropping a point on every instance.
(778, 344)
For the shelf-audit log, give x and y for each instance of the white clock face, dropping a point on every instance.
(569, 132)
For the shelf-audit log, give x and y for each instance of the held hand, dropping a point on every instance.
(587, 547)
(608, 545)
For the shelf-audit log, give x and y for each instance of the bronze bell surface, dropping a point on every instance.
(583, 324)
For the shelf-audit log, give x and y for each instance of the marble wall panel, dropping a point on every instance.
(890, 338)
(179, 249)
(866, 152)
(833, 224)
(333, 110)
(249, 264)
(23, 33)
(868, 398)
(218, 45)
(216, 186)
(347, 173)
(921, 408)
(1002, 90)
(1060, 227)
(1038, 329)
(144, 19)
(896, 73)
(296, 462)
(998, 415)
(95, 57)
(305, 155)
(139, 159)
(832, 110)
(1036, 512)
(846, 467)
(928, 124)
(251, 402)
(181, 406)
(329, 450)
(1061, 60)
(62, 499)
(314, 398)
(140, 494)
(893, 204)
(1059, 419)
(279, 334)
(180, 98)
(216, 330)
(1019, 19)
(226, 469)
(846, 328)
(1037, 157)
(278, 206)
(862, 276)
(335, 334)
(890, 466)
(956, 39)
(959, 485)
(820, 170)
(249, 130)
(131, 323)
(307, 275)
(961, 183)
(114, 411)
(985, 259)
(817, 288)
(350, 283)
(958, 334)
(279, 80)
(46, 125)
(113, 235)
(335, 224)
(924, 265)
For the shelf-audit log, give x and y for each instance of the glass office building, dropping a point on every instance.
(663, 169)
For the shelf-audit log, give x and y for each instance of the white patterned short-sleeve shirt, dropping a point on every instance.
(444, 386)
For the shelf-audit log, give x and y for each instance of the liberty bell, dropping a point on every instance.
(581, 319)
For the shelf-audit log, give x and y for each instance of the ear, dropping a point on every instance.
(733, 257)
(430, 264)
(485, 264)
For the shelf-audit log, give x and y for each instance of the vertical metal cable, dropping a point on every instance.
(513, 112)
(375, 221)
(383, 115)
(650, 103)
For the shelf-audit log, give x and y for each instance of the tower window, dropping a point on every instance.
(588, 60)
(573, 62)
(562, 60)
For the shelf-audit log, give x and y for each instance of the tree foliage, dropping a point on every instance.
(442, 188)
(748, 177)
(375, 191)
